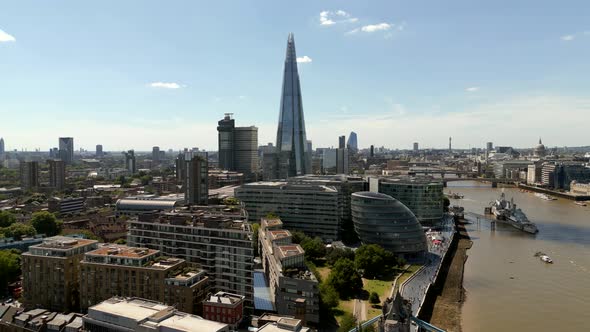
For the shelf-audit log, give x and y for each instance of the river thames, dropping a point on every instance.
(507, 288)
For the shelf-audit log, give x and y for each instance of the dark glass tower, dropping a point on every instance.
(292, 152)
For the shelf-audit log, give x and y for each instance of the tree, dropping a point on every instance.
(345, 278)
(297, 237)
(120, 241)
(373, 260)
(18, 231)
(374, 298)
(272, 215)
(46, 223)
(347, 323)
(446, 204)
(6, 219)
(314, 248)
(334, 254)
(9, 267)
(329, 297)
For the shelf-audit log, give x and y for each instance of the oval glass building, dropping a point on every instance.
(383, 220)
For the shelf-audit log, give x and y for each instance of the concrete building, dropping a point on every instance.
(130, 165)
(489, 147)
(180, 168)
(218, 240)
(99, 152)
(577, 188)
(50, 273)
(246, 151)
(225, 134)
(284, 324)
(57, 174)
(2, 148)
(422, 195)
(416, 147)
(311, 208)
(225, 308)
(507, 169)
(66, 150)
(560, 175)
(66, 205)
(196, 180)
(29, 174)
(293, 287)
(156, 154)
(132, 206)
(119, 314)
(140, 272)
(383, 220)
(342, 161)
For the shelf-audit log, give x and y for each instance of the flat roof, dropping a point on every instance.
(290, 250)
(63, 242)
(122, 251)
(279, 234)
(134, 309)
(225, 298)
(186, 322)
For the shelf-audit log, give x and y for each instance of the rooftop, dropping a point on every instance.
(63, 243)
(279, 234)
(122, 251)
(290, 250)
(225, 298)
(372, 195)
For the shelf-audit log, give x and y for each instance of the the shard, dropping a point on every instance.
(292, 154)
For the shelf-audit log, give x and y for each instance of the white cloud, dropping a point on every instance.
(333, 17)
(166, 85)
(5, 37)
(472, 89)
(568, 37)
(379, 27)
(304, 59)
(376, 27)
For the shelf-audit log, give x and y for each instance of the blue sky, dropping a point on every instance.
(393, 71)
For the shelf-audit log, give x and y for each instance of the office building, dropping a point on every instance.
(342, 161)
(119, 314)
(225, 135)
(329, 161)
(214, 237)
(534, 174)
(130, 161)
(383, 220)
(352, 143)
(29, 174)
(372, 151)
(246, 151)
(2, 148)
(50, 273)
(315, 209)
(64, 206)
(196, 180)
(560, 175)
(450, 146)
(578, 188)
(57, 174)
(291, 283)
(489, 146)
(66, 150)
(416, 147)
(140, 272)
(422, 195)
(99, 152)
(54, 153)
(180, 168)
(341, 142)
(156, 154)
(292, 156)
(510, 169)
(225, 308)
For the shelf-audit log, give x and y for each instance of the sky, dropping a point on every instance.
(136, 74)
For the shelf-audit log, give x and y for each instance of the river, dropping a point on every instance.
(507, 288)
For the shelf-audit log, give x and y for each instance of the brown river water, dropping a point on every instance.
(507, 288)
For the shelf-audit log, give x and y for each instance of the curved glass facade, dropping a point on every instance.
(383, 220)
(423, 196)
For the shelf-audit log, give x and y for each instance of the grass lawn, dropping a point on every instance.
(324, 272)
(343, 307)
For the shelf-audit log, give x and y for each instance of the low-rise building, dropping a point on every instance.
(294, 290)
(66, 205)
(140, 272)
(132, 314)
(577, 188)
(225, 308)
(50, 273)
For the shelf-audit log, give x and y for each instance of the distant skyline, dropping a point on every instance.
(137, 74)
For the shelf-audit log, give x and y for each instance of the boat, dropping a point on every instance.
(545, 197)
(507, 212)
(454, 195)
(580, 203)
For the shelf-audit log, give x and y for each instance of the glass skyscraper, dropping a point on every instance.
(291, 152)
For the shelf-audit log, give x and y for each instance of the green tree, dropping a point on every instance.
(446, 203)
(120, 241)
(18, 231)
(329, 297)
(345, 278)
(314, 248)
(334, 254)
(297, 237)
(272, 215)
(9, 267)
(373, 260)
(255, 228)
(46, 223)
(6, 219)
(347, 323)
(374, 298)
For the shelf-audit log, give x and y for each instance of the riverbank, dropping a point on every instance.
(442, 307)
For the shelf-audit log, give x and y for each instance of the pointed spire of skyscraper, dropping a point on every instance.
(292, 151)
